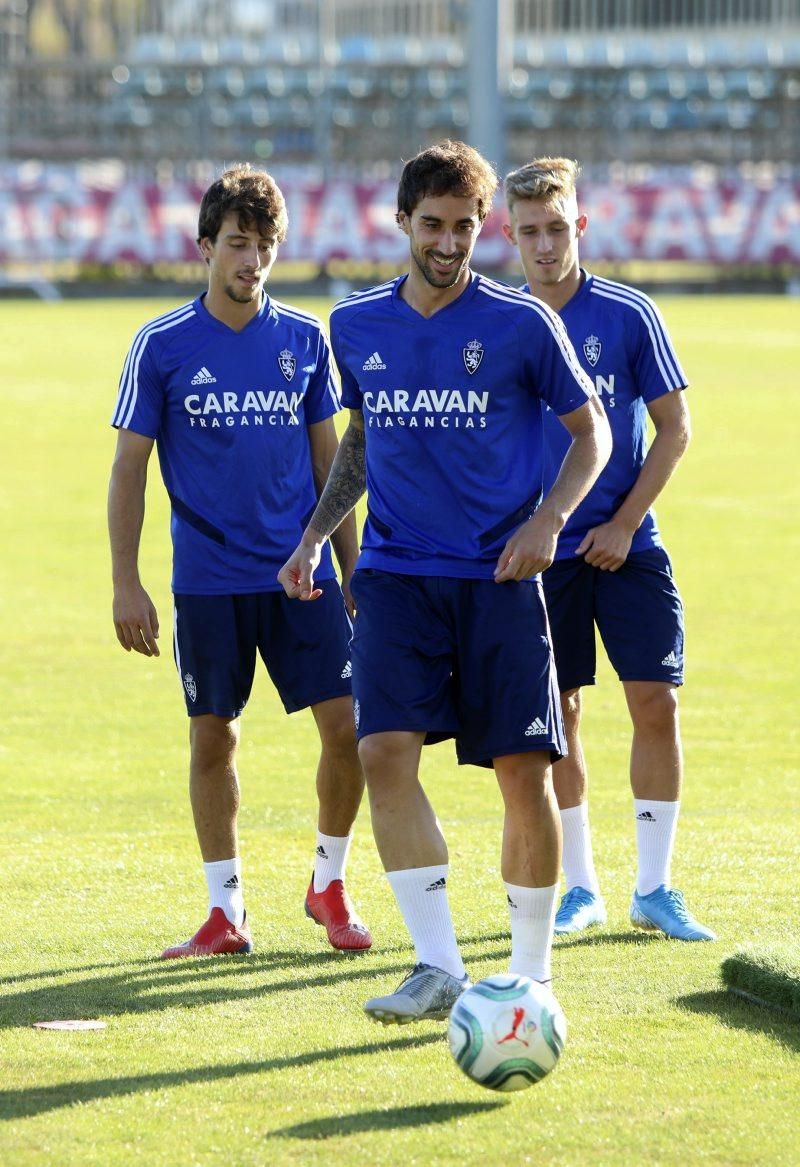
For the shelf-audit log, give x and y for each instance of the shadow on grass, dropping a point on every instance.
(737, 1013)
(273, 958)
(40, 1100)
(147, 986)
(184, 983)
(595, 939)
(383, 1120)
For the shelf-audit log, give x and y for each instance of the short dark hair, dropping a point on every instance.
(251, 194)
(447, 168)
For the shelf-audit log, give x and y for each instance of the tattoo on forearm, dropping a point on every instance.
(346, 483)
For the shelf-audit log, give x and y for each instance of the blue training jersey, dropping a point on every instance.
(229, 411)
(452, 410)
(622, 342)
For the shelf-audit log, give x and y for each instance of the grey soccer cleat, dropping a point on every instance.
(426, 994)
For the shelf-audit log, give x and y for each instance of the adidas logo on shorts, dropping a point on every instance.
(536, 727)
(671, 658)
(346, 672)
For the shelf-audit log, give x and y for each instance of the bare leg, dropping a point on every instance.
(214, 785)
(406, 829)
(656, 753)
(531, 855)
(570, 779)
(340, 781)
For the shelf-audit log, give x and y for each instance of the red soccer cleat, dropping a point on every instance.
(216, 937)
(333, 909)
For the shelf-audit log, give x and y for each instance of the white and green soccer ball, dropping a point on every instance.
(507, 1032)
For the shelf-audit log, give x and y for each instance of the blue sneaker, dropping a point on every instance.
(664, 910)
(579, 909)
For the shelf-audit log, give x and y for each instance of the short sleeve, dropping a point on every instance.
(140, 398)
(351, 393)
(322, 397)
(653, 359)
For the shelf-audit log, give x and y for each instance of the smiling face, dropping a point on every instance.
(442, 231)
(547, 234)
(239, 261)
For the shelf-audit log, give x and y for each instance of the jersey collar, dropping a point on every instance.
(406, 310)
(220, 326)
(577, 299)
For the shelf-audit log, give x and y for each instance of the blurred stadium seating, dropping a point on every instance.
(361, 82)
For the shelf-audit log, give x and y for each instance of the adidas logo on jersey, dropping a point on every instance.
(671, 658)
(536, 727)
(373, 363)
(203, 377)
(437, 885)
(233, 882)
(347, 672)
(646, 817)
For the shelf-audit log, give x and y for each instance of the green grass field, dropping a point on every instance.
(269, 1059)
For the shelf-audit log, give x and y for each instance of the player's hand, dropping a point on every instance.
(606, 546)
(297, 574)
(530, 549)
(135, 620)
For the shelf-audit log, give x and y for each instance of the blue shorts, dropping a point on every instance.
(305, 646)
(637, 610)
(462, 658)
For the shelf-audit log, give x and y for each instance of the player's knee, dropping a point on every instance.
(388, 760)
(339, 740)
(213, 740)
(654, 709)
(337, 730)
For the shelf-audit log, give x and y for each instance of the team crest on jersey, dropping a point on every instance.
(591, 348)
(287, 363)
(473, 355)
(190, 686)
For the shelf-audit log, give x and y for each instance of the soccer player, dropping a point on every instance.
(236, 391)
(445, 373)
(610, 567)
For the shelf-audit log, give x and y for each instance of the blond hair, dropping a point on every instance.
(550, 179)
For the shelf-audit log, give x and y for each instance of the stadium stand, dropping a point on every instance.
(717, 79)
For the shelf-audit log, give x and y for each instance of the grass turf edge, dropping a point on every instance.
(765, 974)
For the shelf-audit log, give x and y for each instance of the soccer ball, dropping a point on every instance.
(507, 1032)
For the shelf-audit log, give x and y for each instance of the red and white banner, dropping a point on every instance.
(49, 215)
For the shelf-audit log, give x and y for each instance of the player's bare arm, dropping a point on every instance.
(135, 617)
(532, 547)
(345, 486)
(608, 545)
(324, 444)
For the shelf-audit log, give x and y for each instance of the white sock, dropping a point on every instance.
(331, 859)
(533, 913)
(421, 894)
(656, 823)
(578, 861)
(225, 889)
